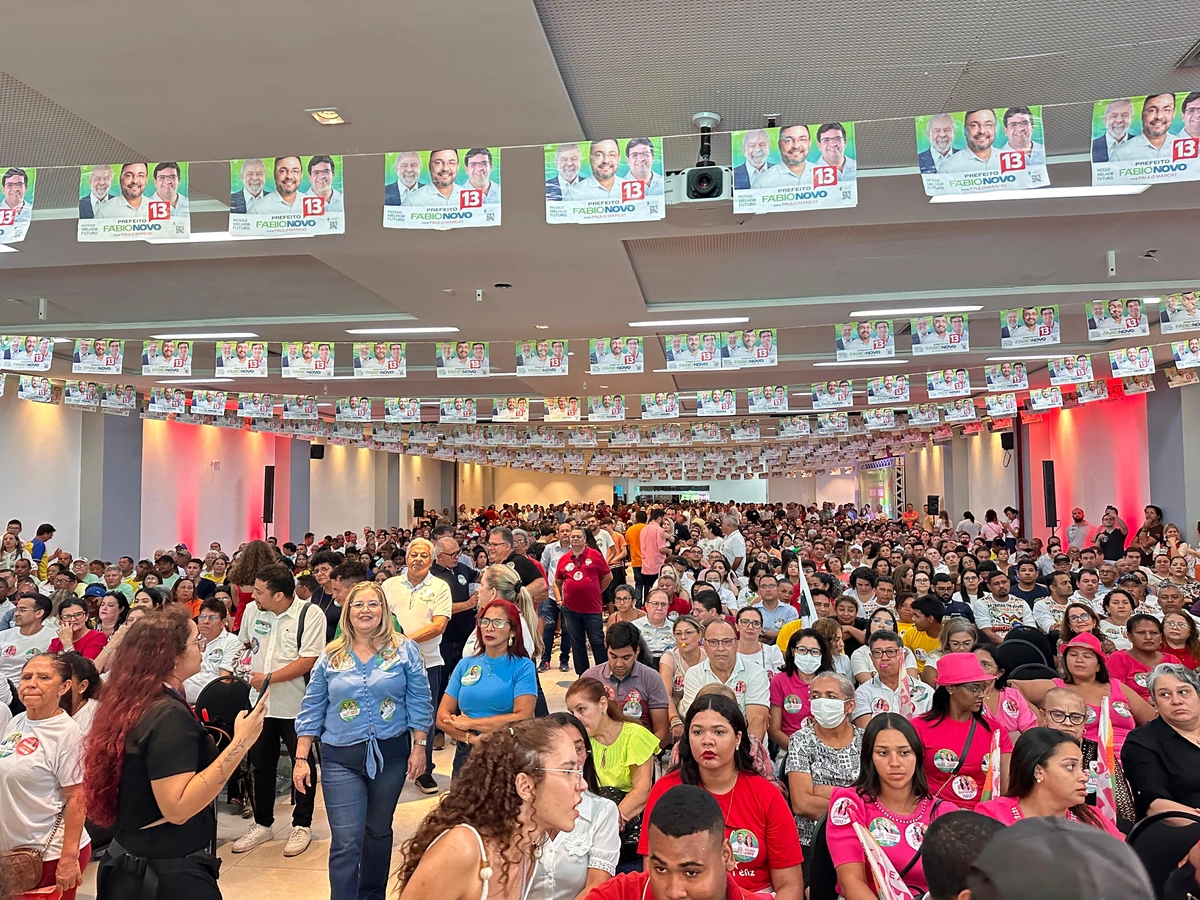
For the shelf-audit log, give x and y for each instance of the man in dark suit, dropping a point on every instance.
(254, 177)
(940, 132)
(100, 180)
(568, 159)
(1118, 116)
(756, 148)
(408, 172)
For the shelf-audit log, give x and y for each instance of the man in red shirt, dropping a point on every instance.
(688, 858)
(579, 583)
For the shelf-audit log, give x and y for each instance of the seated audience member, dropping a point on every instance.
(952, 842)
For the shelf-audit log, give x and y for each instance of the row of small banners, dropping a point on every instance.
(1143, 140)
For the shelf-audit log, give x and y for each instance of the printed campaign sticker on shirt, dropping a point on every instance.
(1141, 679)
(9, 744)
(839, 812)
(472, 675)
(387, 709)
(570, 567)
(945, 760)
(792, 704)
(739, 687)
(134, 201)
(881, 705)
(914, 835)
(964, 786)
(1009, 708)
(885, 832)
(578, 576)
(633, 705)
(744, 844)
(261, 627)
(462, 579)
(286, 195)
(348, 710)
(1091, 715)
(1120, 708)
(254, 646)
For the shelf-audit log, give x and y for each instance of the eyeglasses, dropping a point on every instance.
(749, 623)
(808, 651)
(494, 623)
(884, 654)
(211, 617)
(720, 643)
(366, 604)
(978, 688)
(73, 617)
(1082, 617)
(577, 771)
(1059, 717)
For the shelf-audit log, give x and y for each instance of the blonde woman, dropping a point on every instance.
(368, 701)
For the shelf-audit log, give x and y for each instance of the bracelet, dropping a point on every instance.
(302, 759)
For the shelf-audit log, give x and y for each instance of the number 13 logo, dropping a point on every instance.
(633, 190)
(7, 216)
(1012, 161)
(314, 206)
(1185, 148)
(159, 210)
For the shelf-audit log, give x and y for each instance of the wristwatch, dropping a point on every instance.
(422, 742)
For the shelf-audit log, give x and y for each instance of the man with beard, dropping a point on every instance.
(131, 204)
(756, 148)
(567, 159)
(99, 182)
(602, 184)
(286, 198)
(980, 155)
(408, 174)
(1154, 143)
(254, 177)
(793, 172)
(441, 190)
(1118, 116)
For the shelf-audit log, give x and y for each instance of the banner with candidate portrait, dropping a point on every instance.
(134, 201)
(1131, 361)
(948, 383)
(624, 436)
(456, 411)
(1029, 326)
(167, 400)
(16, 206)
(1001, 404)
(796, 167)
(423, 434)
(387, 432)
(1111, 319)
(401, 409)
(744, 430)
(833, 423)
(699, 351)
(98, 356)
(1092, 391)
(209, 403)
(540, 356)
(82, 395)
(299, 407)
(608, 408)
(347, 431)
(283, 196)
(864, 340)
(750, 348)
(1186, 353)
(707, 433)
(791, 427)
(36, 388)
(1045, 398)
(26, 353)
(255, 405)
(510, 409)
(167, 357)
(1070, 369)
(1137, 384)
(716, 403)
(940, 333)
(442, 189)
(582, 437)
(615, 356)
(1181, 377)
(660, 405)
(923, 415)
(768, 400)
(666, 433)
(1008, 376)
(241, 359)
(307, 359)
(379, 359)
(117, 398)
(463, 359)
(604, 181)
(561, 409)
(1178, 313)
(887, 389)
(352, 409)
(1146, 140)
(982, 150)
(881, 419)
(832, 394)
(962, 410)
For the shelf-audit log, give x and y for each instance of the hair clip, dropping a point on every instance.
(511, 731)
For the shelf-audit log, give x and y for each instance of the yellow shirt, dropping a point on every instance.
(921, 645)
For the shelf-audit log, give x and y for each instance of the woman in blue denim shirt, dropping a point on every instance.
(367, 700)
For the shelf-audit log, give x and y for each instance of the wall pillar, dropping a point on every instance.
(1173, 423)
(110, 485)
(298, 488)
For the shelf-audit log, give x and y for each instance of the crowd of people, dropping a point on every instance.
(768, 700)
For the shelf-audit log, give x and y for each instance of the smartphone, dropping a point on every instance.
(262, 693)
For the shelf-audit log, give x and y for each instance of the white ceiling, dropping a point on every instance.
(222, 79)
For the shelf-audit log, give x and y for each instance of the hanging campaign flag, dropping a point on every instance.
(832, 394)
(1179, 313)
(833, 423)
(888, 884)
(615, 356)
(582, 437)
(16, 207)
(605, 181)
(1006, 377)
(1001, 404)
(768, 400)
(1146, 140)
(98, 356)
(795, 167)
(1137, 384)
(1030, 326)
(26, 353)
(982, 150)
(702, 350)
(299, 407)
(423, 434)
(352, 409)
(286, 195)
(240, 359)
(456, 411)
(608, 408)
(167, 357)
(662, 405)
(463, 359)
(135, 201)
(121, 398)
(307, 359)
(962, 410)
(707, 433)
(82, 395)
(1106, 763)
(1186, 353)
(401, 409)
(167, 400)
(1045, 398)
(510, 409)
(209, 403)
(542, 357)
(716, 403)
(991, 781)
(882, 419)
(379, 359)
(750, 349)
(1093, 391)
(1070, 369)
(940, 333)
(387, 432)
(1111, 319)
(947, 383)
(794, 427)
(561, 409)
(1177, 378)
(887, 389)
(255, 405)
(744, 430)
(864, 340)
(1131, 361)
(442, 188)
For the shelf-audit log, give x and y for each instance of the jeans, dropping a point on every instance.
(639, 587)
(549, 613)
(461, 751)
(264, 760)
(360, 811)
(578, 625)
(437, 687)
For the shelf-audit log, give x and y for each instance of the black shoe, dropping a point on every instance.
(564, 667)
(545, 666)
(426, 784)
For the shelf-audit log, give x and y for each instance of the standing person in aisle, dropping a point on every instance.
(549, 610)
(501, 549)
(422, 604)
(28, 637)
(463, 606)
(733, 545)
(579, 584)
(633, 540)
(654, 543)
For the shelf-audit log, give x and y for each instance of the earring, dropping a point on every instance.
(510, 641)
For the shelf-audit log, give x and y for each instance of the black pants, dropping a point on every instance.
(264, 761)
(124, 877)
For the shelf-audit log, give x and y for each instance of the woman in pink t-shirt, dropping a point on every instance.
(892, 801)
(1132, 667)
(1003, 702)
(1047, 777)
(807, 654)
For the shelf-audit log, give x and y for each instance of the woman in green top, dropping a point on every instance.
(622, 748)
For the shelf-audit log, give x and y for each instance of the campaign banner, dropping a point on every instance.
(796, 167)
(743, 430)
(1045, 398)
(940, 333)
(134, 202)
(241, 359)
(750, 348)
(463, 359)
(307, 359)
(352, 409)
(833, 423)
(913, 436)
(540, 356)
(561, 409)
(1137, 384)
(299, 407)
(116, 397)
(347, 431)
(286, 195)
(582, 437)
(947, 383)
(456, 411)
(442, 189)
(707, 433)
(1075, 369)
(167, 358)
(1111, 319)
(624, 436)
(882, 419)
(1093, 391)
(962, 410)
(1008, 376)
(982, 150)
(887, 389)
(1146, 140)
(608, 408)
(1131, 361)
(1030, 326)
(98, 356)
(716, 403)
(387, 432)
(793, 427)
(209, 403)
(266, 425)
(16, 207)
(604, 181)
(401, 409)
(1178, 313)
(423, 434)
(971, 428)
(510, 409)
(167, 400)
(669, 433)
(832, 394)
(82, 395)
(380, 359)
(615, 356)
(256, 405)
(1001, 404)
(768, 400)
(923, 415)
(1181, 378)
(702, 350)
(661, 405)
(497, 435)
(1186, 353)
(864, 340)
(26, 353)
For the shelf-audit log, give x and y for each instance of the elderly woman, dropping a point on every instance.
(1162, 757)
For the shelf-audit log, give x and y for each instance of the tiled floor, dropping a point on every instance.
(265, 873)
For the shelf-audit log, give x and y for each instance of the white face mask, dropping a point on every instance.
(828, 712)
(808, 664)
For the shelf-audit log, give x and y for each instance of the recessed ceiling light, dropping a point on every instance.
(205, 335)
(913, 311)
(541, 327)
(603, 386)
(502, 285)
(326, 116)
(864, 362)
(1025, 356)
(197, 381)
(14, 300)
(664, 323)
(447, 290)
(1047, 193)
(219, 237)
(62, 340)
(448, 329)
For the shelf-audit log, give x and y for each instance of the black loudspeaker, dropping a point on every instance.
(934, 504)
(418, 508)
(316, 451)
(1048, 493)
(268, 515)
(1008, 440)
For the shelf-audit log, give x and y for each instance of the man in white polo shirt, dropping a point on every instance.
(722, 665)
(422, 604)
(286, 198)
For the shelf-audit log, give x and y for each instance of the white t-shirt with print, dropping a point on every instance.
(221, 653)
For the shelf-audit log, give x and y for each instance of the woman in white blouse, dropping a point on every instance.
(573, 862)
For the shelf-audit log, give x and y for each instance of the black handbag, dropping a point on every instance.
(631, 834)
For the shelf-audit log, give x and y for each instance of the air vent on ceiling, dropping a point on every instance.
(1191, 59)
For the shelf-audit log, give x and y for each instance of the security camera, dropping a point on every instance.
(707, 181)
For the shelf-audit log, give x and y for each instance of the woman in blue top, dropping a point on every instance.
(497, 686)
(367, 700)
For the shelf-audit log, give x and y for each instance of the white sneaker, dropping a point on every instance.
(255, 837)
(297, 841)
